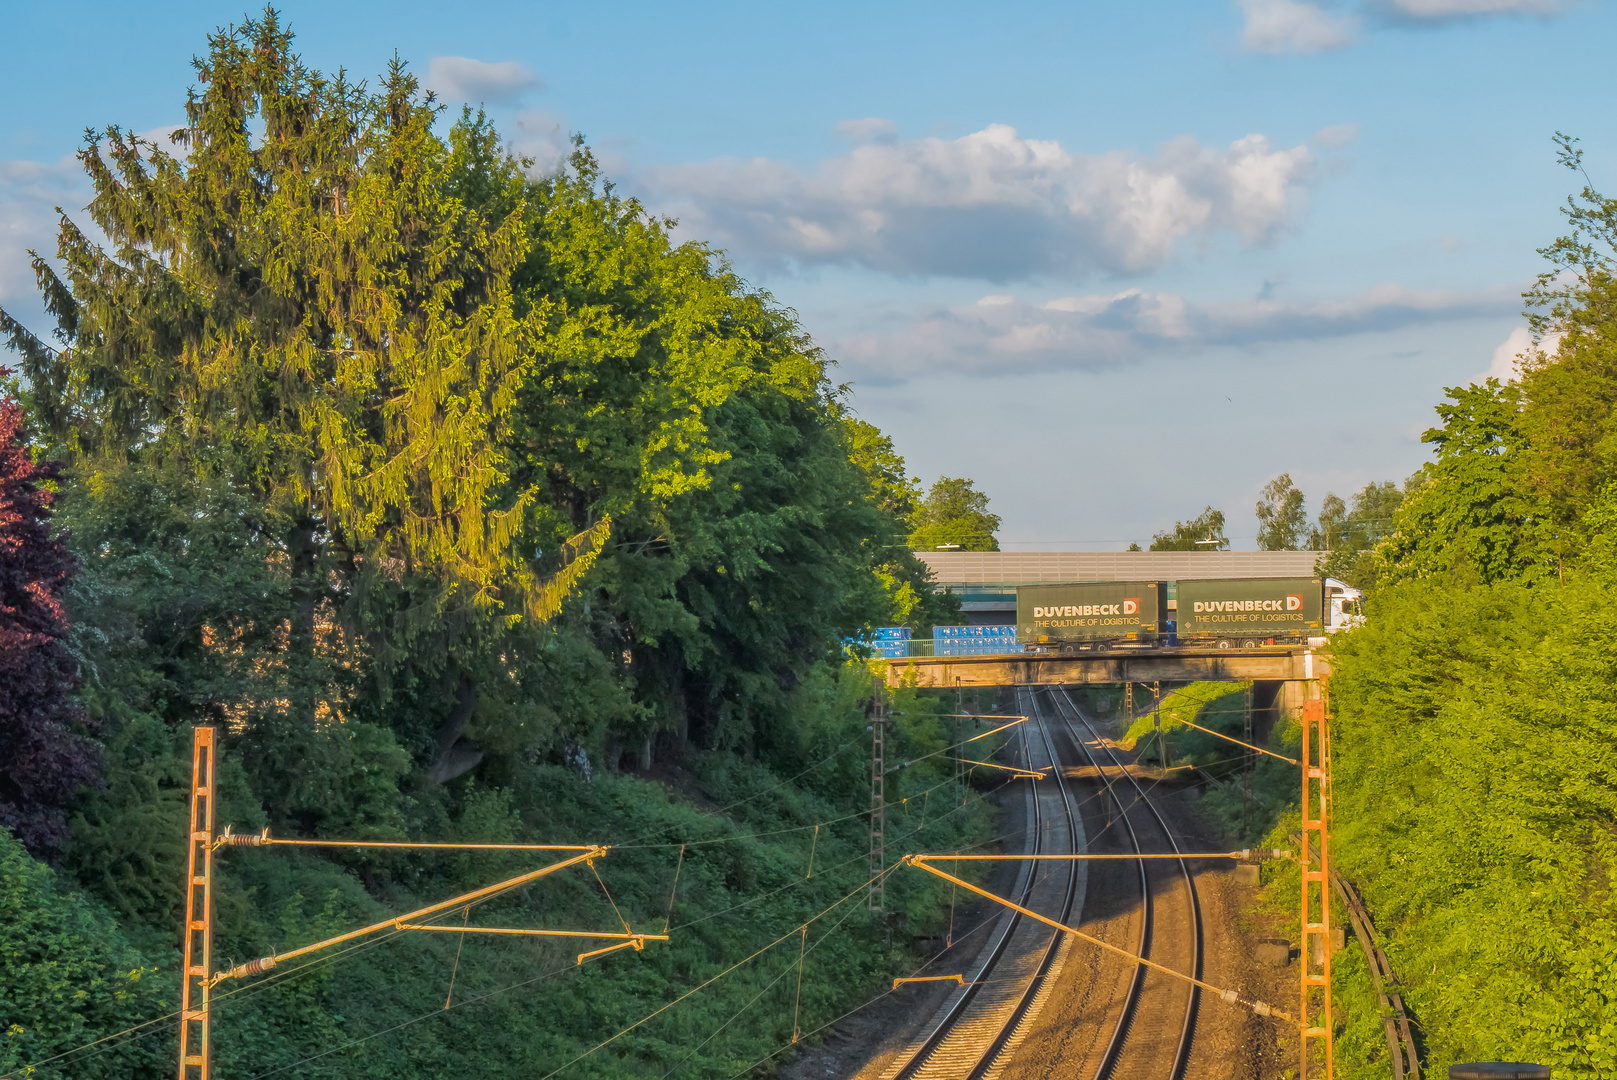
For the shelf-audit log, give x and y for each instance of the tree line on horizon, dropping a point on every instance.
(1346, 531)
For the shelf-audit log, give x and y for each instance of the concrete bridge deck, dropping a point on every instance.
(1265, 664)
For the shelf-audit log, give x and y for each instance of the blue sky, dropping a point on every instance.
(1114, 262)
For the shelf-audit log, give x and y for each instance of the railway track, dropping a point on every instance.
(1139, 1023)
(980, 1026)
(1150, 1028)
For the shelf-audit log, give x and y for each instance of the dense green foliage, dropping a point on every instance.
(1474, 732)
(905, 578)
(453, 495)
(744, 880)
(69, 976)
(1474, 742)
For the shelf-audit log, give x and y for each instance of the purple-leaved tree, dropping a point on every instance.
(45, 754)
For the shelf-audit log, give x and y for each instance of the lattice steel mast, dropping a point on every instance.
(878, 799)
(1316, 891)
(198, 961)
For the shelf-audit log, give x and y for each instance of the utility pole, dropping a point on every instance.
(1249, 761)
(1162, 736)
(959, 738)
(878, 799)
(1316, 890)
(198, 962)
(198, 976)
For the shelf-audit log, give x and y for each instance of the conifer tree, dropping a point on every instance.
(293, 301)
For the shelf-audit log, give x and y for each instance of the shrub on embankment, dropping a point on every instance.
(70, 973)
(1475, 750)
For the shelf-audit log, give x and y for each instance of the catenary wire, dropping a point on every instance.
(260, 986)
(769, 986)
(698, 989)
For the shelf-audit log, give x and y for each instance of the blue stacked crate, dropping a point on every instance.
(973, 640)
(892, 642)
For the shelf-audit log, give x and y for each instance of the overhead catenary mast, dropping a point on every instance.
(200, 978)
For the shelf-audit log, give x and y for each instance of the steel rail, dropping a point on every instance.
(1188, 1027)
(1131, 999)
(962, 1005)
(1053, 949)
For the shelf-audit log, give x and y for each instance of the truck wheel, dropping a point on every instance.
(1249, 645)
(1224, 644)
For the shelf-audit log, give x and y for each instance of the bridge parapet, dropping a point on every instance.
(1267, 664)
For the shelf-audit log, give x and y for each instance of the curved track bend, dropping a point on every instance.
(1113, 1020)
(980, 1026)
(1124, 1020)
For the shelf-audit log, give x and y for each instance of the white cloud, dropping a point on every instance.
(162, 136)
(1336, 135)
(870, 129)
(1293, 26)
(457, 78)
(543, 137)
(1508, 357)
(1452, 10)
(990, 205)
(999, 335)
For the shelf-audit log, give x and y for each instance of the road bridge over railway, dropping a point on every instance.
(1267, 664)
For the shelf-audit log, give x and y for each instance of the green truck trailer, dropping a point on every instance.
(1090, 615)
(1249, 612)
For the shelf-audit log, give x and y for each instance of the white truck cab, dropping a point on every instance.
(1344, 606)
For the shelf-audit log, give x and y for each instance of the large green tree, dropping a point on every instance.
(1348, 533)
(349, 397)
(1518, 465)
(424, 371)
(954, 514)
(1204, 532)
(1466, 515)
(1282, 519)
(908, 581)
(296, 303)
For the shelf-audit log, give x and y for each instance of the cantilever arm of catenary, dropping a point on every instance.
(995, 731)
(628, 940)
(1238, 742)
(1228, 996)
(1251, 854)
(963, 742)
(1036, 774)
(264, 839)
(255, 967)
